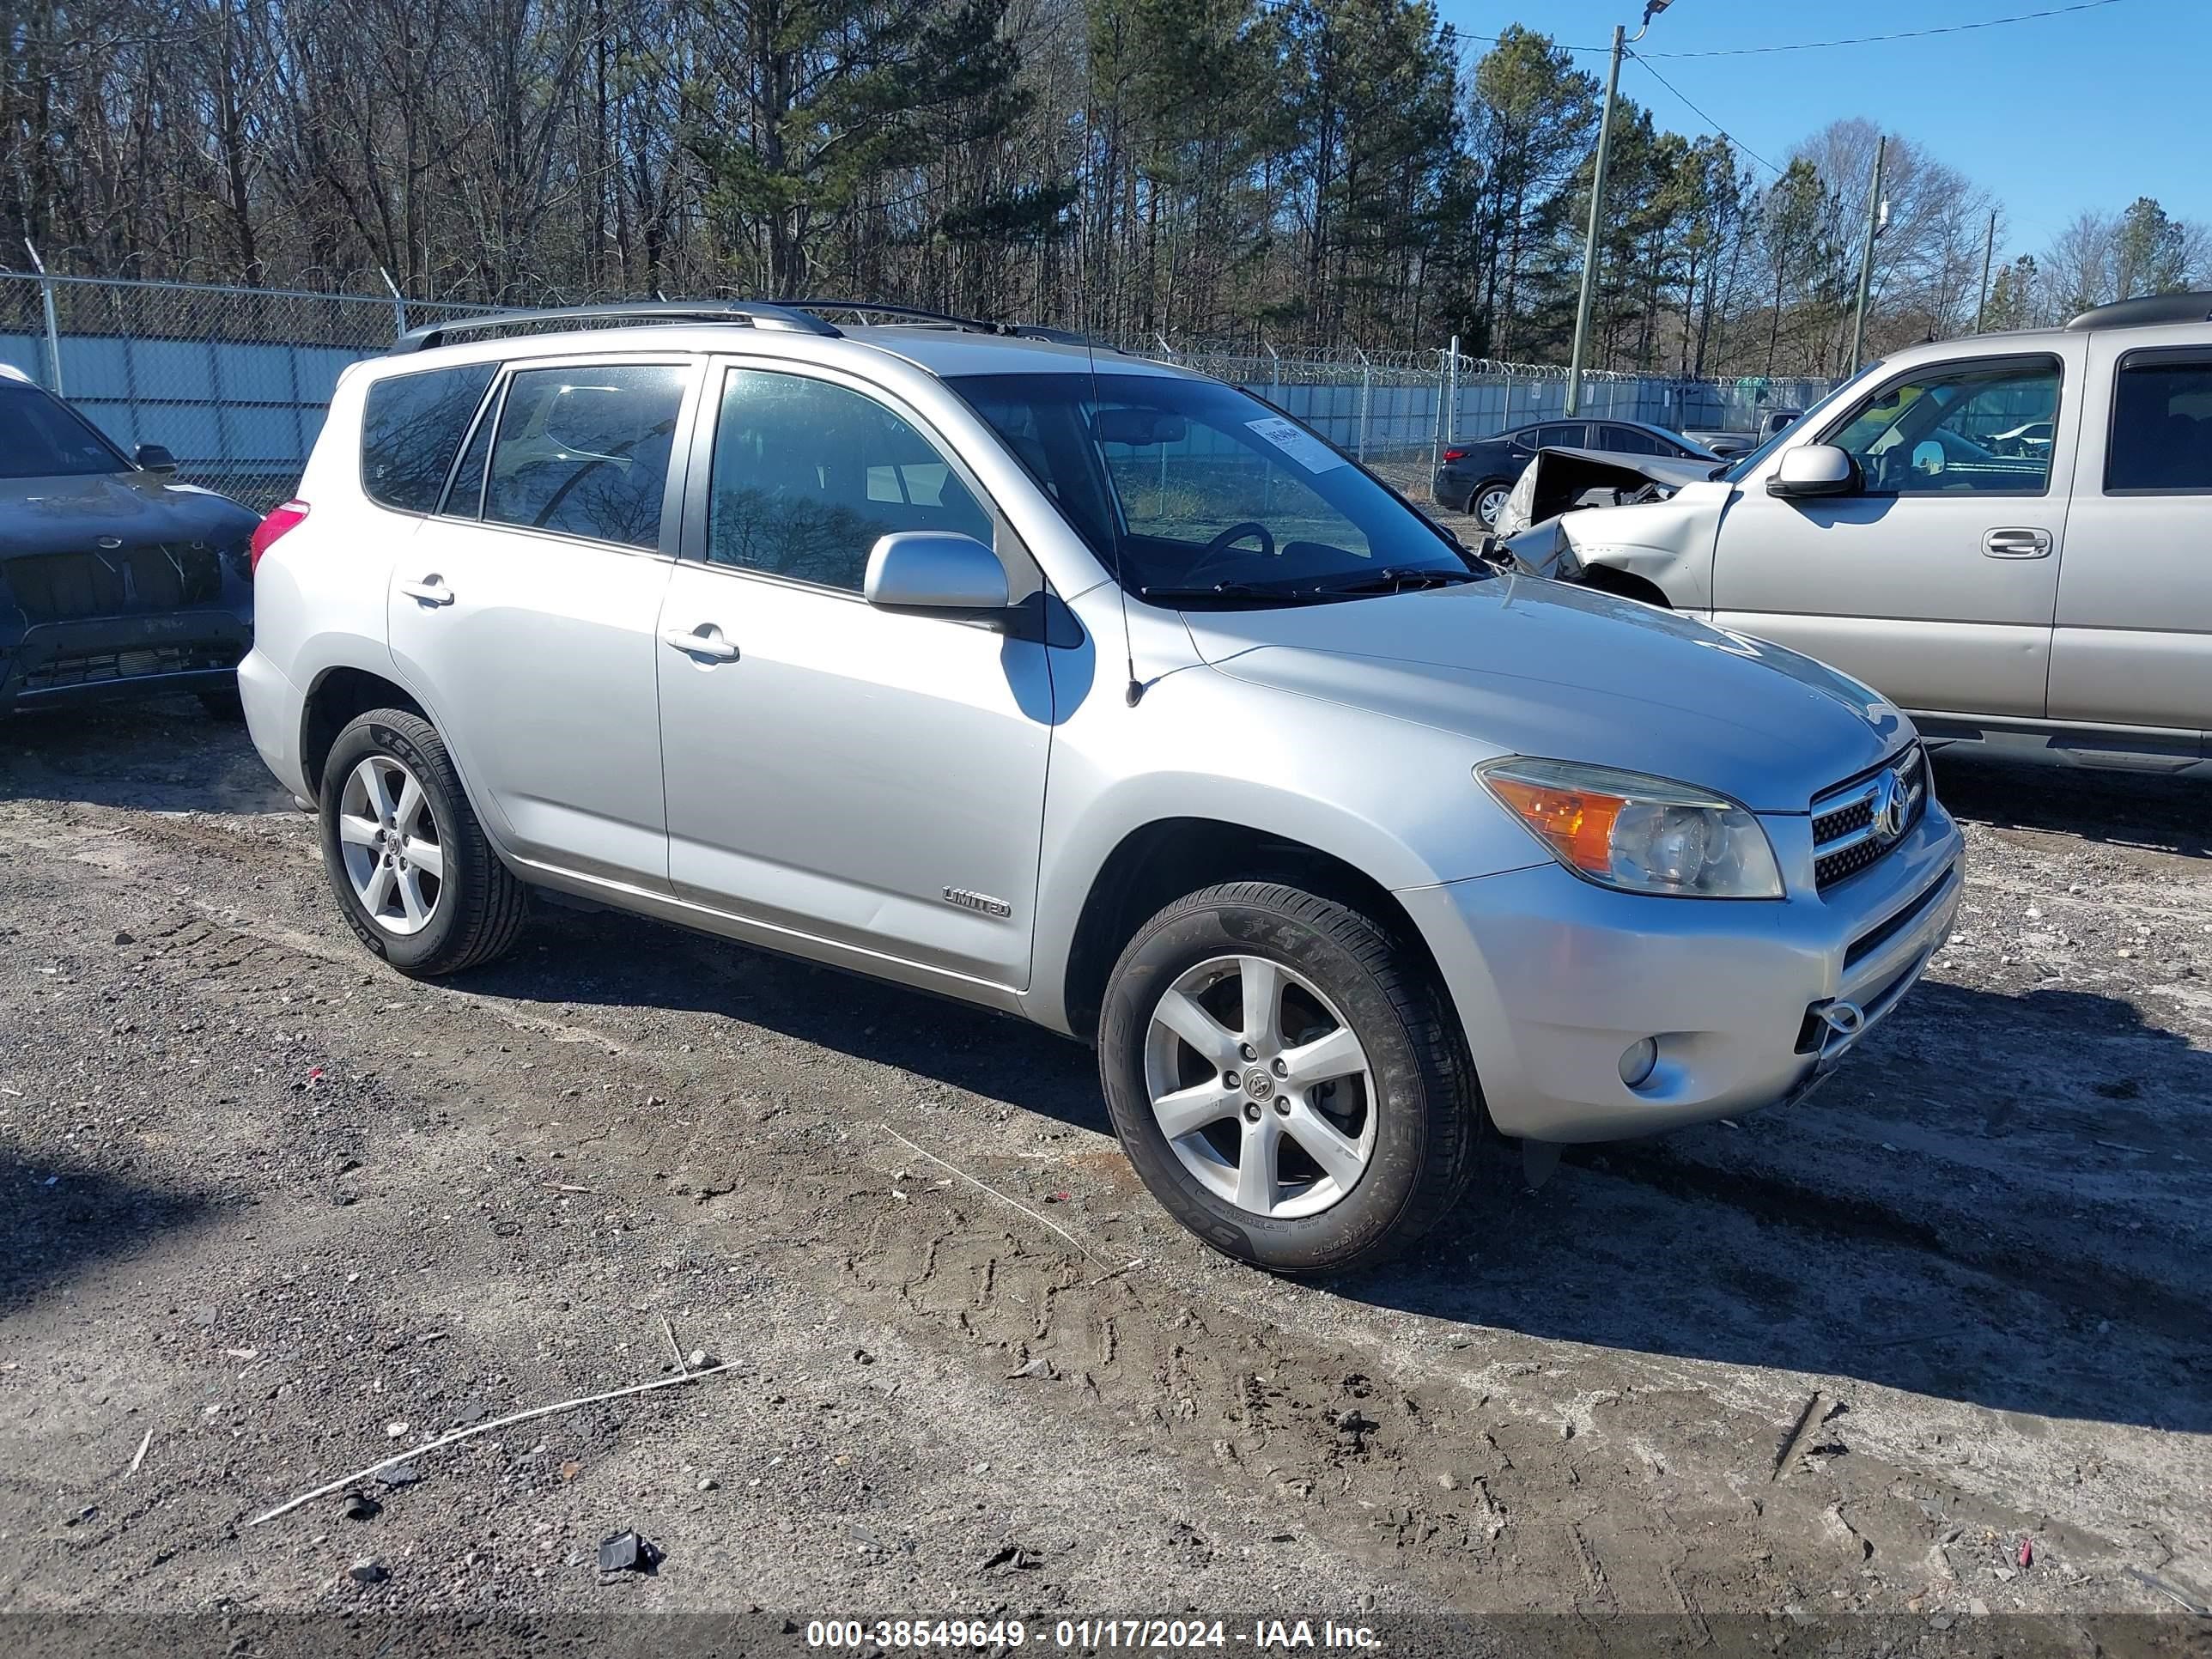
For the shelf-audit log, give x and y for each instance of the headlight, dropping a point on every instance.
(1642, 835)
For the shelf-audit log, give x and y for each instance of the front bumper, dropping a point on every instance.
(100, 659)
(1751, 1003)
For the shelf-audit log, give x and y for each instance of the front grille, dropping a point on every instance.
(1847, 837)
(109, 582)
(104, 667)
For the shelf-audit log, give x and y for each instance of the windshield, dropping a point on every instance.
(41, 437)
(1194, 492)
(1742, 466)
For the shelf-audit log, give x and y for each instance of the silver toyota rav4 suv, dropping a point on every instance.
(1093, 691)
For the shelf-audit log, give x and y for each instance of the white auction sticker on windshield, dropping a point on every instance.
(1307, 451)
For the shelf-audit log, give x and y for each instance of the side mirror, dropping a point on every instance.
(939, 574)
(1814, 470)
(155, 457)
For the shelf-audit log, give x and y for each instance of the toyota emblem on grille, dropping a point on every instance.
(111, 542)
(1891, 803)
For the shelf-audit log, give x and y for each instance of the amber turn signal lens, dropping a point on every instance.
(1577, 824)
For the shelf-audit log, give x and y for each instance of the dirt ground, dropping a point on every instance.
(269, 1212)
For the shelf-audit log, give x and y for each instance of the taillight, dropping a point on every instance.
(1455, 454)
(279, 521)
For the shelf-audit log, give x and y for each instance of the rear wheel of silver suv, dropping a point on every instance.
(418, 882)
(1286, 1080)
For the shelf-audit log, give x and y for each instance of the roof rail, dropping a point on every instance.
(2145, 311)
(753, 313)
(944, 318)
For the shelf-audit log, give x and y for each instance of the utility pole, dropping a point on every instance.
(1875, 216)
(1988, 249)
(1621, 39)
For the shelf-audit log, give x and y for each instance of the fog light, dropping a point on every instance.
(1638, 1061)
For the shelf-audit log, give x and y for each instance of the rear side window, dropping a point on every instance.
(2162, 425)
(1559, 437)
(1630, 440)
(585, 451)
(410, 428)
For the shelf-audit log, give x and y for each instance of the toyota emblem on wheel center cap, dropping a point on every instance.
(1258, 1084)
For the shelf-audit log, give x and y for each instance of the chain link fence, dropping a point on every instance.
(234, 381)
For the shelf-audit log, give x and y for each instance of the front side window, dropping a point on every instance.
(585, 451)
(2162, 425)
(808, 474)
(1955, 429)
(41, 437)
(410, 425)
(1193, 491)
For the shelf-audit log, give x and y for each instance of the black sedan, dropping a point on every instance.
(1476, 477)
(115, 578)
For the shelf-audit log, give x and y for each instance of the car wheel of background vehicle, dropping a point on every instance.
(418, 882)
(1488, 500)
(1285, 1079)
(223, 703)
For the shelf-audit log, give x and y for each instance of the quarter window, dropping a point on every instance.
(2161, 426)
(585, 451)
(1965, 429)
(410, 426)
(808, 474)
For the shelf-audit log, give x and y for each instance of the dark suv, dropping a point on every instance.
(1476, 477)
(115, 578)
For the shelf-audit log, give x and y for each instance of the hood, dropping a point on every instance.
(1560, 479)
(1541, 668)
(68, 515)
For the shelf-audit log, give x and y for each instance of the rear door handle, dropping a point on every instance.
(431, 590)
(705, 641)
(2017, 544)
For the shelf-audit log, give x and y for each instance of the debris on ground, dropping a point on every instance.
(626, 1551)
(368, 1570)
(397, 1475)
(360, 1506)
(1040, 1366)
(1012, 1558)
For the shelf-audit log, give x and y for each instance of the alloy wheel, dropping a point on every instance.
(1490, 503)
(390, 842)
(1261, 1088)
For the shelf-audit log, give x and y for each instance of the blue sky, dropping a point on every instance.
(2062, 113)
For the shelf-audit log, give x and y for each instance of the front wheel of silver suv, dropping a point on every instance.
(1285, 1079)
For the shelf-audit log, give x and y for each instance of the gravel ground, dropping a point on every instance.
(263, 1203)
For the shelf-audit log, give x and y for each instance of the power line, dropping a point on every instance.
(1736, 142)
(1855, 40)
(1908, 35)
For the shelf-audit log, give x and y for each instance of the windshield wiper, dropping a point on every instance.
(1400, 579)
(1228, 591)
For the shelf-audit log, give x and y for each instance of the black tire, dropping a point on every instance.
(480, 906)
(223, 703)
(1428, 1109)
(1476, 494)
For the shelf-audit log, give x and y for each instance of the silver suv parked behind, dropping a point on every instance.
(1099, 693)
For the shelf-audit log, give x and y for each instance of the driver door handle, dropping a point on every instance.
(706, 641)
(2024, 544)
(431, 590)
